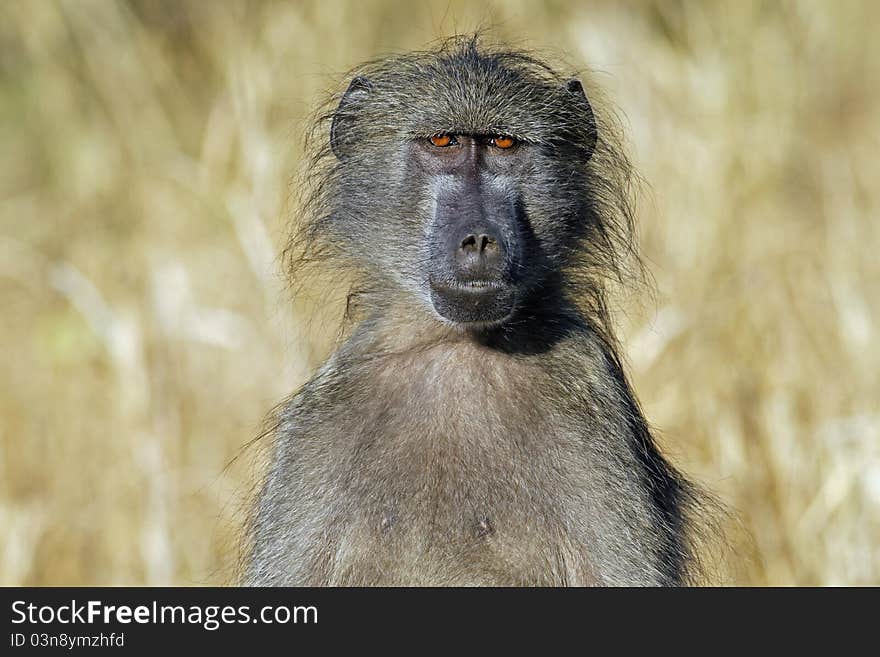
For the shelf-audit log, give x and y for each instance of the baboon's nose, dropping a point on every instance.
(478, 256)
(479, 244)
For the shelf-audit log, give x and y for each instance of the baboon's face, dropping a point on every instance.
(468, 191)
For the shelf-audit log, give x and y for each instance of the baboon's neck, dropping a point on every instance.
(540, 322)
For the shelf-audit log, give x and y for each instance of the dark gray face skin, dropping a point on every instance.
(476, 427)
(475, 243)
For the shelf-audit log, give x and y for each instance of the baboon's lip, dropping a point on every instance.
(473, 303)
(470, 286)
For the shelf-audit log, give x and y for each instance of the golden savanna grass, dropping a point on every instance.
(148, 151)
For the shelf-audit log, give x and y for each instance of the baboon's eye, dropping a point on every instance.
(503, 141)
(441, 141)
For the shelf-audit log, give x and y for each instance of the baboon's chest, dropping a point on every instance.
(458, 477)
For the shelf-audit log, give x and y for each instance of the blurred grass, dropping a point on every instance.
(147, 150)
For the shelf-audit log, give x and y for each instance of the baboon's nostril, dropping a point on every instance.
(479, 256)
(479, 244)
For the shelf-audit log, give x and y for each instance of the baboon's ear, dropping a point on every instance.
(340, 129)
(575, 88)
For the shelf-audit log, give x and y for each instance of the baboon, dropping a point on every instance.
(476, 427)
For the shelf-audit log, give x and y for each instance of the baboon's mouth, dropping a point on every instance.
(471, 286)
(473, 302)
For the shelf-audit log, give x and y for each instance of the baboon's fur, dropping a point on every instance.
(427, 453)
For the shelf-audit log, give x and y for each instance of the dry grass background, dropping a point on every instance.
(147, 150)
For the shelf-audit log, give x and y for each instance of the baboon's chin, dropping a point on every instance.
(474, 306)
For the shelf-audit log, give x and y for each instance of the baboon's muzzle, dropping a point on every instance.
(473, 259)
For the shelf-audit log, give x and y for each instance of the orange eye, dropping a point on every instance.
(503, 141)
(441, 140)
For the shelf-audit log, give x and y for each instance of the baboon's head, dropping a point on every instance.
(462, 177)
